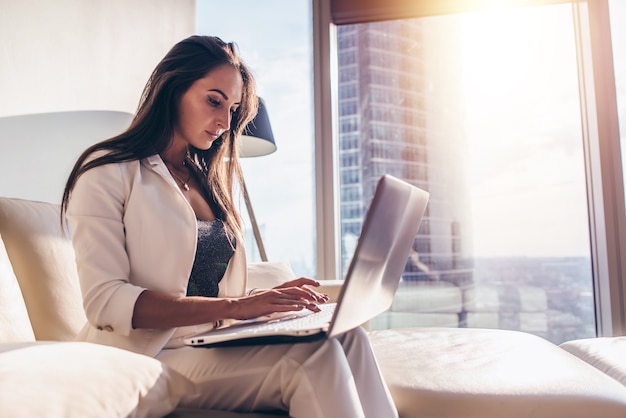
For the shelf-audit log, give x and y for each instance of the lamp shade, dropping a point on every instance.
(258, 138)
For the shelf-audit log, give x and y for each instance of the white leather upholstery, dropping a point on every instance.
(476, 373)
(77, 380)
(43, 262)
(14, 321)
(605, 354)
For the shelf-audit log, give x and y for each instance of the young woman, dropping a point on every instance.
(160, 253)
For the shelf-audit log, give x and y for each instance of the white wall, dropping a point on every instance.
(76, 55)
(84, 54)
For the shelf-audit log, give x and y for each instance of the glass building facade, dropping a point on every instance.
(399, 114)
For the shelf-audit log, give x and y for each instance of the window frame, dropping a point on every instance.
(603, 159)
(363, 11)
(603, 163)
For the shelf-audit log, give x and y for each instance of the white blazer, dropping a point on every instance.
(132, 230)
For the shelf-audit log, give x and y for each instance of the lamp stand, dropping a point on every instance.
(255, 227)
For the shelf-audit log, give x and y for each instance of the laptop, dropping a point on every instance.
(371, 281)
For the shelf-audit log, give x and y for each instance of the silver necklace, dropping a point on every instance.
(184, 183)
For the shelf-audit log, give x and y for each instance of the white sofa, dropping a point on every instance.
(431, 372)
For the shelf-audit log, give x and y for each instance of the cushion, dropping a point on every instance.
(266, 275)
(77, 379)
(14, 322)
(477, 373)
(608, 354)
(428, 296)
(43, 262)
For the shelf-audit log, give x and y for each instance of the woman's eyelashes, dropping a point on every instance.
(214, 102)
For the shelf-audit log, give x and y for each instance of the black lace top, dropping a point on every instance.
(213, 253)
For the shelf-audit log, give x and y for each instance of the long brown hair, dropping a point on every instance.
(152, 128)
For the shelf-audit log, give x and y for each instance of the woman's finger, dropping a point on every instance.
(304, 292)
(302, 281)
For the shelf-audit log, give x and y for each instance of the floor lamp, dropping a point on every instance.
(257, 140)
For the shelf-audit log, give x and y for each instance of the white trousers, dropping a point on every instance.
(337, 377)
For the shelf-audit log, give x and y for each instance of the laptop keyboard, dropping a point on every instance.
(298, 320)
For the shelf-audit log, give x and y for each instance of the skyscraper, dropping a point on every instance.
(401, 112)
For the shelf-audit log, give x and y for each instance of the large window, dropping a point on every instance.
(274, 38)
(483, 110)
(492, 111)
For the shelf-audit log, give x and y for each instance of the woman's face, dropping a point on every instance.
(206, 108)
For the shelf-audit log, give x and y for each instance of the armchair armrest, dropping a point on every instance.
(331, 288)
